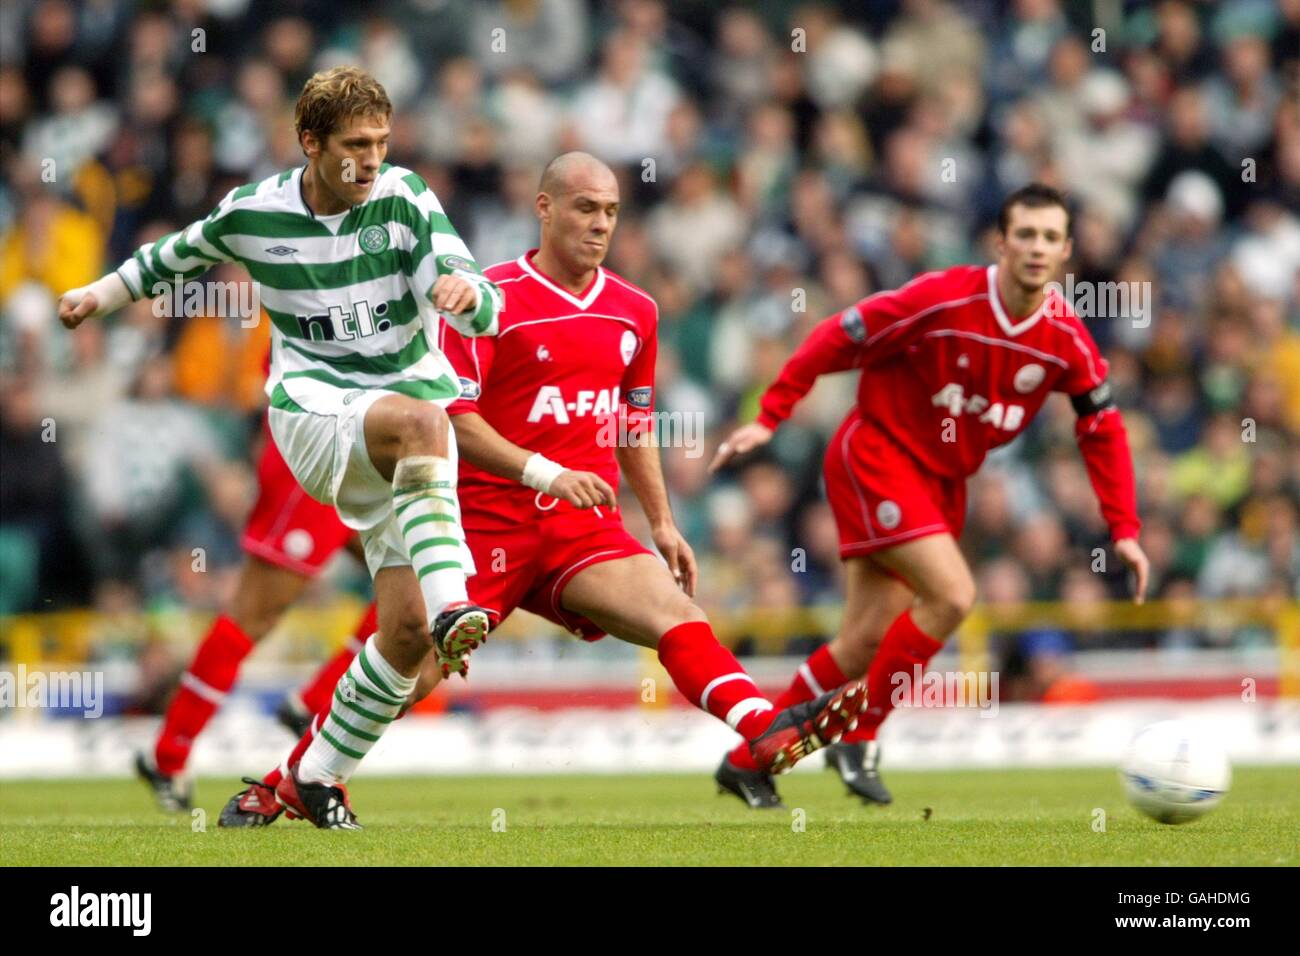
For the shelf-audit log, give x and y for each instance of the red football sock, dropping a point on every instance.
(711, 678)
(316, 695)
(203, 687)
(276, 775)
(903, 647)
(818, 674)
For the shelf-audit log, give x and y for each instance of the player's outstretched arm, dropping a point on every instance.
(484, 447)
(155, 266)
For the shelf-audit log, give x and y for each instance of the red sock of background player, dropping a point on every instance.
(316, 695)
(818, 674)
(204, 686)
(273, 778)
(903, 647)
(710, 677)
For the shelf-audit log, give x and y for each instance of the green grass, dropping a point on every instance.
(1038, 817)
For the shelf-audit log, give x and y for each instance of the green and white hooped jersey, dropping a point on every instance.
(348, 295)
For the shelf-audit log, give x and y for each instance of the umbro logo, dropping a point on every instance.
(281, 250)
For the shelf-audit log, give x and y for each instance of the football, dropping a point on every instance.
(1174, 772)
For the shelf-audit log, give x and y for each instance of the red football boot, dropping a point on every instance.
(803, 728)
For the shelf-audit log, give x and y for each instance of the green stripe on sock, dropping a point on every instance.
(377, 698)
(395, 700)
(346, 751)
(432, 542)
(406, 504)
(425, 519)
(350, 729)
(409, 489)
(368, 714)
(440, 566)
(367, 692)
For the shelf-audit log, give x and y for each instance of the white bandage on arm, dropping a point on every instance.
(474, 281)
(110, 294)
(540, 471)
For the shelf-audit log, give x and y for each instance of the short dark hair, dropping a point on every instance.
(1035, 196)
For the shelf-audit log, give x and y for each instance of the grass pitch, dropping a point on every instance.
(977, 818)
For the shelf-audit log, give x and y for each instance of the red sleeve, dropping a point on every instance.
(471, 358)
(1103, 441)
(872, 329)
(638, 386)
(1099, 431)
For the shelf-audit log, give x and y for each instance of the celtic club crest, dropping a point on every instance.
(374, 239)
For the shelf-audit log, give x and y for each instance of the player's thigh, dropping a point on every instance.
(633, 598)
(934, 568)
(262, 595)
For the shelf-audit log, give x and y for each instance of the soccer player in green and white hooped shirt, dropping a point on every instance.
(355, 260)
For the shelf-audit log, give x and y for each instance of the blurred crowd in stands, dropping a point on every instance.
(779, 161)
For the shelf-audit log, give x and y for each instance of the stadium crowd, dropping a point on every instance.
(779, 161)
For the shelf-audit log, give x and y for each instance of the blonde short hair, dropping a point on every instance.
(331, 97)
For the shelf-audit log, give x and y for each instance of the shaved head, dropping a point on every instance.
(577, 205)
(574, 171)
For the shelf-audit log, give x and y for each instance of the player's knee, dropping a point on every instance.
(410, 632)
(691, 612)
(422, 426)
(956, 601)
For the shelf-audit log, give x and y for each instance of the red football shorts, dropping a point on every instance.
(288, 527)
(881, 496)
(529, 565)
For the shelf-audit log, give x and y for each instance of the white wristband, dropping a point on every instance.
(540, 471)
(110, 292)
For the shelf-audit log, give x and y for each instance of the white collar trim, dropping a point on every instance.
(584, 303)
(1000, 314)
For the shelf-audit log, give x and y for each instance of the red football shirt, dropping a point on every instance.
(556, 379)
(948, 375)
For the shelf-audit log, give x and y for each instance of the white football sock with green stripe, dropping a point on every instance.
(367, 698)
(424, 500)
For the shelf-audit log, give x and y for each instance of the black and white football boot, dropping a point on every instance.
(859, 767)
(754, 787)
(174, 792)
(328, 807)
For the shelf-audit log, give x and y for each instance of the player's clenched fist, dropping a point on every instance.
(582, 489)
(452, 294)
(742, 440)
(74, 306)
